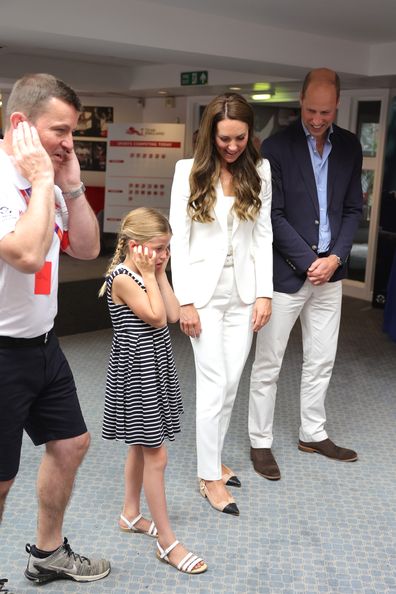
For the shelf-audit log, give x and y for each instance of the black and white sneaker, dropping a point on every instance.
(63, 564)
(3, 587)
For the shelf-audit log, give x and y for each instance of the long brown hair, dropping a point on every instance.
(205, 171)
(140, 224)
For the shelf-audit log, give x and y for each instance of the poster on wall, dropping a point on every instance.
(91, 154)
(141, 161)
(94, 121)
(270, 119)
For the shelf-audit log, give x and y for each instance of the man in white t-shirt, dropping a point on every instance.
(43, 209)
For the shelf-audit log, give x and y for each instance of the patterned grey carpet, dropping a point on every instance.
(325, 528)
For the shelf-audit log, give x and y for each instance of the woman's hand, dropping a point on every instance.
(261, 313)
(190, 323)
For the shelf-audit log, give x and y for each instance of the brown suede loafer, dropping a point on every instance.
(264, 463)
(328, 448)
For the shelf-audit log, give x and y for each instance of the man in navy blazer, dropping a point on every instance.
(316, 207)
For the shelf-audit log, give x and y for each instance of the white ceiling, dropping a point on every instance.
(135, 47)
(358, 20)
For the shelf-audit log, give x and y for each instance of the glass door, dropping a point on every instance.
(364, 113)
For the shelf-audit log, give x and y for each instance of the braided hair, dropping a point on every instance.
(140, 225)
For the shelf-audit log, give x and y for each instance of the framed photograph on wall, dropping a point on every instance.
(91, 154)
(93, 121)
(99, 148)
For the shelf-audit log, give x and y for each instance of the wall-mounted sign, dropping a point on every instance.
(141, 162)
(93, 121)
(199, 77)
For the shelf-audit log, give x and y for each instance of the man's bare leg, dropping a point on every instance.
(55, 482)
(5, 487)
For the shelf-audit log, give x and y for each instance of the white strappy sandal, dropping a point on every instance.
(187, 565)
(152, 531)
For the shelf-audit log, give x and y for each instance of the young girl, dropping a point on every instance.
(143, 401)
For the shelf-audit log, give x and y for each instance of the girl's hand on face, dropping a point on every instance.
(143, 259)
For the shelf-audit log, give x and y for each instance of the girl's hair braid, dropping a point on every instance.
(140, 225)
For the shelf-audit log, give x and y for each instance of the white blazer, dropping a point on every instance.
(198, 250)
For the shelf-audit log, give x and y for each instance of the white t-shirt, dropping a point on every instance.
(24, 314)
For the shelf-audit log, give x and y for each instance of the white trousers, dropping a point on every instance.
(319, 309)
(220, 355)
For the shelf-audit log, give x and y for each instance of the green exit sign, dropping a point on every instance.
(200, 77)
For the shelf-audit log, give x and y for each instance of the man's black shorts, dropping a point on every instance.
(38, 394)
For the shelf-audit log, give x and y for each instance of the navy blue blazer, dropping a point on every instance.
(295, 205)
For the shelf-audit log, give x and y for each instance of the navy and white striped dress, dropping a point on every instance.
(143, 402)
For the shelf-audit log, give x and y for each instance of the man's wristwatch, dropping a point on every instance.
(339, 261)
(74, 193)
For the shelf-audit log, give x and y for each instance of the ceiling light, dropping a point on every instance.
(235, 88)
(261, 86)
(162, 92)
(261, 97)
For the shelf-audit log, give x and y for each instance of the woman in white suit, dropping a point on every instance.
(221, 271)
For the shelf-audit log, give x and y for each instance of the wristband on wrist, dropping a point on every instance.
(74, 193)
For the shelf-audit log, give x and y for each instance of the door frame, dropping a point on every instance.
(347, 118)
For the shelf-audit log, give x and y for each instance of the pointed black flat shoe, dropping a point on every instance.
(227, 507)
(233, 481)
(231, 509)
(229, 477)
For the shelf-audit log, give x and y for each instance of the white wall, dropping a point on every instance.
(165, 110)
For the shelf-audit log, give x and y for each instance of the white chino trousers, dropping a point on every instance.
(319, 309)
(220, 354)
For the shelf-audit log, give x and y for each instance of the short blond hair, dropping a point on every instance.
(31, 93)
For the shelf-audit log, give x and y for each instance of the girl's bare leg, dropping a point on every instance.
(155, 460)
(133, 475)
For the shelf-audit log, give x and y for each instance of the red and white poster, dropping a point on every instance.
(141, 161)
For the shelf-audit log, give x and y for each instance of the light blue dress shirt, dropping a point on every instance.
(320, 165)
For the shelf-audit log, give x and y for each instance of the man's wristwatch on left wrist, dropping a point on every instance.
(72, 194)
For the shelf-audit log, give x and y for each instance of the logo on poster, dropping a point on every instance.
(144, 131)
(132, 130)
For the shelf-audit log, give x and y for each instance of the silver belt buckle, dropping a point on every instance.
(46, 338)
(229, 261)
